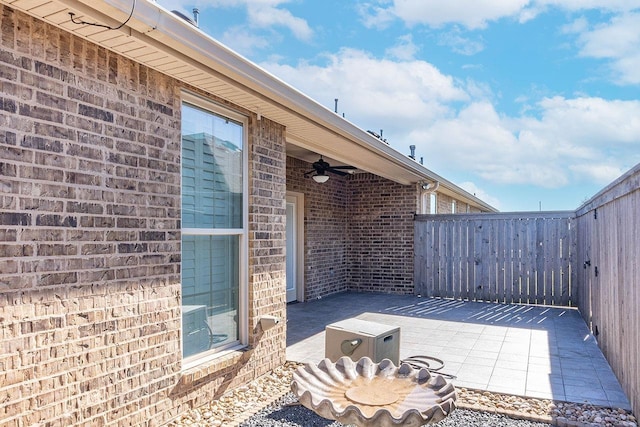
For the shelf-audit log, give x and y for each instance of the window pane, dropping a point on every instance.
(433, 204)
(210, 284)
(211, 170)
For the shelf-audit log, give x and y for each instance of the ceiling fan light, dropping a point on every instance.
(321, 178)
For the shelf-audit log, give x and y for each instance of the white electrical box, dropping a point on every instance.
(358, 338)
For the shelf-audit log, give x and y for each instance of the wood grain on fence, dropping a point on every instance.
(504, 257)
(609, 276)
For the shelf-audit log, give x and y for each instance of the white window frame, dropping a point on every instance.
(243, 296)
(433, 203)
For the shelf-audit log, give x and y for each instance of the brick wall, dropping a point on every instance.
(358, 232)
(267, 243)
(471, 209)
(380, 234)
(325, 230)
(444, 203)
(90, 324)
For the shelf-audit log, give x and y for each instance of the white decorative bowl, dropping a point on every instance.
(371, 394)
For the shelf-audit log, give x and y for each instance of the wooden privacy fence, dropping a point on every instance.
(609, 276)
(502, 257)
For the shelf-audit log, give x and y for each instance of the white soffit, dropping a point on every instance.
(157, 38)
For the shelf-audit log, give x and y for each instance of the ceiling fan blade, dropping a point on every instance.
(321, 166)
(344, 167)
(337, 172)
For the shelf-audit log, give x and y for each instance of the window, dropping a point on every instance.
(213, 228)
(454, 206)
(424, 203)
(433, 203)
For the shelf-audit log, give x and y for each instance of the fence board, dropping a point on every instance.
(520, 271)
(500, 262)
(539, 262)
(492, 232)
(554, 264)
(510, 242)
(478, 265)
(456, 250)
(529, 260)
(449, 248)
(495, 257)
(465, 262)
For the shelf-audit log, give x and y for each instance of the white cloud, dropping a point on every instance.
(593, 120)
(556, 142)
(480, 141)
(601, 173)
(268, 15)
(627, 69)
(618, 41)
(375, 16)
(260, 14)
(243, 41)
(573, 140)
(474, 189)
(478, 90)
(470, 13)
(372, 91)
(404, 49)
(460, 44)
(577, 26)
(476, 14)
(577, 5)
(617, 38)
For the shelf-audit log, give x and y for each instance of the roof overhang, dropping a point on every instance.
(163, 41)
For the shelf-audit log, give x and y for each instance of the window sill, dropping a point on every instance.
(196, 369)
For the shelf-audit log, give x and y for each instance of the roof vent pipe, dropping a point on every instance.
(185, 17)
(196, 12)
(413, 152)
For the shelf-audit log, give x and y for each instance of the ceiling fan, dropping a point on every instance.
(320, 168)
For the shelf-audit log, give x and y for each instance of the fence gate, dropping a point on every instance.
(501, 257)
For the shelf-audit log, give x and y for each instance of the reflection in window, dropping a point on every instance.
(211, 170)
(210, 286)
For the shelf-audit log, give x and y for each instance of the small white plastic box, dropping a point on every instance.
(357, 338)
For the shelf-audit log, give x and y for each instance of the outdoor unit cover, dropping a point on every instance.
(357, 338)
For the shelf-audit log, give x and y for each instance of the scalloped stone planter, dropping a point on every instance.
(371, 394)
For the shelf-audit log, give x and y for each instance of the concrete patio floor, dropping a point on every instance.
(532, 351)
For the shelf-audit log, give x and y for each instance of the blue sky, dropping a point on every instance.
(524, 103)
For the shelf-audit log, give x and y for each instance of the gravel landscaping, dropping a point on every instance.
(286, 413)
(268, 401)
